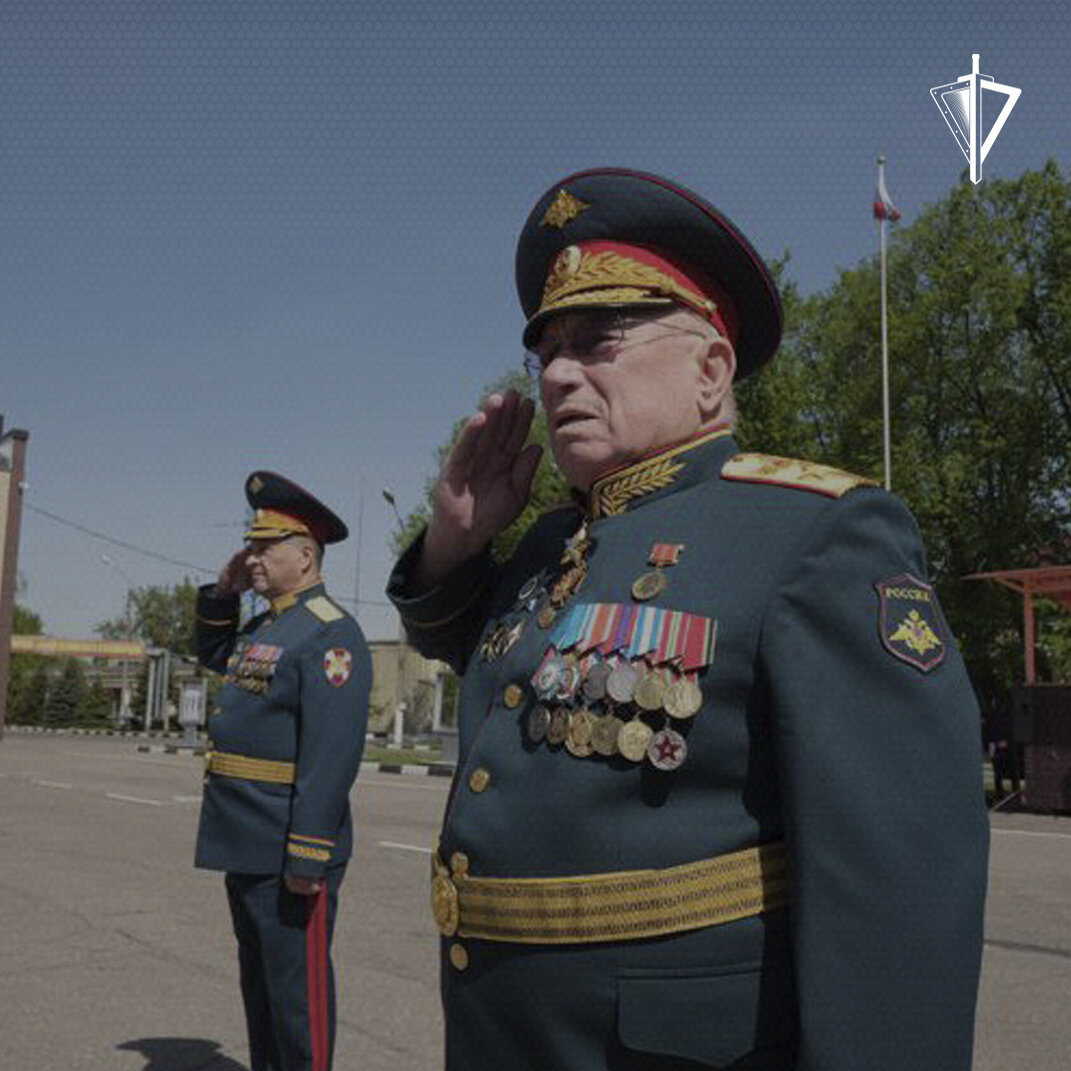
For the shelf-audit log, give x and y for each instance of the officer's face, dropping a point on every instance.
(278, 566)
(616, 389)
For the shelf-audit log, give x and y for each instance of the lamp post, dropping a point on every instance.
(399, 705)
(124, 697)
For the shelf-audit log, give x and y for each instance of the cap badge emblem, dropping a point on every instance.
(564, 209)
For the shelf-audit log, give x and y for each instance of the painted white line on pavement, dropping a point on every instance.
(186, 799)
(133, 799)
(52, 784)
(418, 784)
(1030, 833)
(405, 847)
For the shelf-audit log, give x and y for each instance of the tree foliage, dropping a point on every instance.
(979, 323)
(65, 696)
(22, 667)
(979, 297)
(160, 616)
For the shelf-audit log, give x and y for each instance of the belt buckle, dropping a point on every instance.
(445, 901)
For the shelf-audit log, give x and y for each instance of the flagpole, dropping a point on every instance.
(884, 344)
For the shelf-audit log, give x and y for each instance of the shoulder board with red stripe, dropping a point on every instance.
(792, 473)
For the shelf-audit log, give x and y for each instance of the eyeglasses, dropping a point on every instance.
(596, 338)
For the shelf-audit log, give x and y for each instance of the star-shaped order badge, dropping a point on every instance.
(338, 662)
(910, 622)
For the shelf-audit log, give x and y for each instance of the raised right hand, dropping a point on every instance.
(234, 577)
(484, 484)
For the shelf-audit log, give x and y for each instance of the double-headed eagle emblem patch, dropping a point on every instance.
(910, 622)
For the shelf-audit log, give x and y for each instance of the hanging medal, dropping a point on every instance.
(652, 583)
(575, 569)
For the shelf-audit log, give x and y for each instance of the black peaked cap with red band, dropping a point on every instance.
(606, 206)
(282, 508)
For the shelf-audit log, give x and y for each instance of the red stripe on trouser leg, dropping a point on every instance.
(316, 968)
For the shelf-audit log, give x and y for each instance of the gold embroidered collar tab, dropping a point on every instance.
(611, 494)
(290, 599)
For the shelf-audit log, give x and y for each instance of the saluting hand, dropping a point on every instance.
(484, 484)
(234, 577)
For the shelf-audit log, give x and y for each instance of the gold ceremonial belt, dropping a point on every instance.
(622, 906)
(219, 762)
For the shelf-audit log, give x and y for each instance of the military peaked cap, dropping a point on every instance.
(282, 508)
(611, 237)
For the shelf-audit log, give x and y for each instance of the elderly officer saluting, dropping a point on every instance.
(718, 801)
(287, 743)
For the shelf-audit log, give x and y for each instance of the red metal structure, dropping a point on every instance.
(1041, 713)
(1050, 581)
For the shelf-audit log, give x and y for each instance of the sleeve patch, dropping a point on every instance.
(324, 609)
(338, 664)
(793, 473)
(909, 622)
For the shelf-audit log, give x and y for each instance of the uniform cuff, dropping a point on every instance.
(215, 608)
(449, 599)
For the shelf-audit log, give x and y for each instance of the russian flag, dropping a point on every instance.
(883, 203)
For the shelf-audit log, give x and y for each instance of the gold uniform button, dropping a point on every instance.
(459, 957)
(513, 695)
(479, 779)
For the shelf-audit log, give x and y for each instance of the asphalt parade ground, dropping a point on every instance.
(116, 955)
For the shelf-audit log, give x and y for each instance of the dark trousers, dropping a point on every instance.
(288, 982)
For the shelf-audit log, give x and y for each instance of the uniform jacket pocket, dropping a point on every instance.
(713, 1016)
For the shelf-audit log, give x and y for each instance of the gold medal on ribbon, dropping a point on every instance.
(633, 740)
(683, 699)
(648, 585)
(557, 728)
(650, 691)
(578, 734)
(604, 732)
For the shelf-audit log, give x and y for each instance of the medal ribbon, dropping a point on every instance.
(665, 554)
(667, 650)
(698, 645)
(645, 635)
(602, 626)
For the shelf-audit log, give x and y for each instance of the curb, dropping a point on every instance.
(411, 769)
(162, 746)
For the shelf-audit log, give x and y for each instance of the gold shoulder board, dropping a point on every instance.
(794, 473)
(324, 609)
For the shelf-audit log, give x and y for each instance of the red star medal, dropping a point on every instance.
(337, 665)
(667, 749)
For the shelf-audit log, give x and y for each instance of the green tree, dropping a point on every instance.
(32, 698)
(980, 369)
(22, 667)
(66, 696)
(96, 708)
(160, 616)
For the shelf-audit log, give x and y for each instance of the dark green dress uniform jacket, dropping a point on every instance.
(295, 692)
(819, 728)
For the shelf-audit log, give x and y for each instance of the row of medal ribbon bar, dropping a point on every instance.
(585, 733)
(563, 678)
(249, 682)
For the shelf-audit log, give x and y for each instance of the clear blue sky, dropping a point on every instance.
(241, 234)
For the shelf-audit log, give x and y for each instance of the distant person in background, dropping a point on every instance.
(718, 801)
(286, 744)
